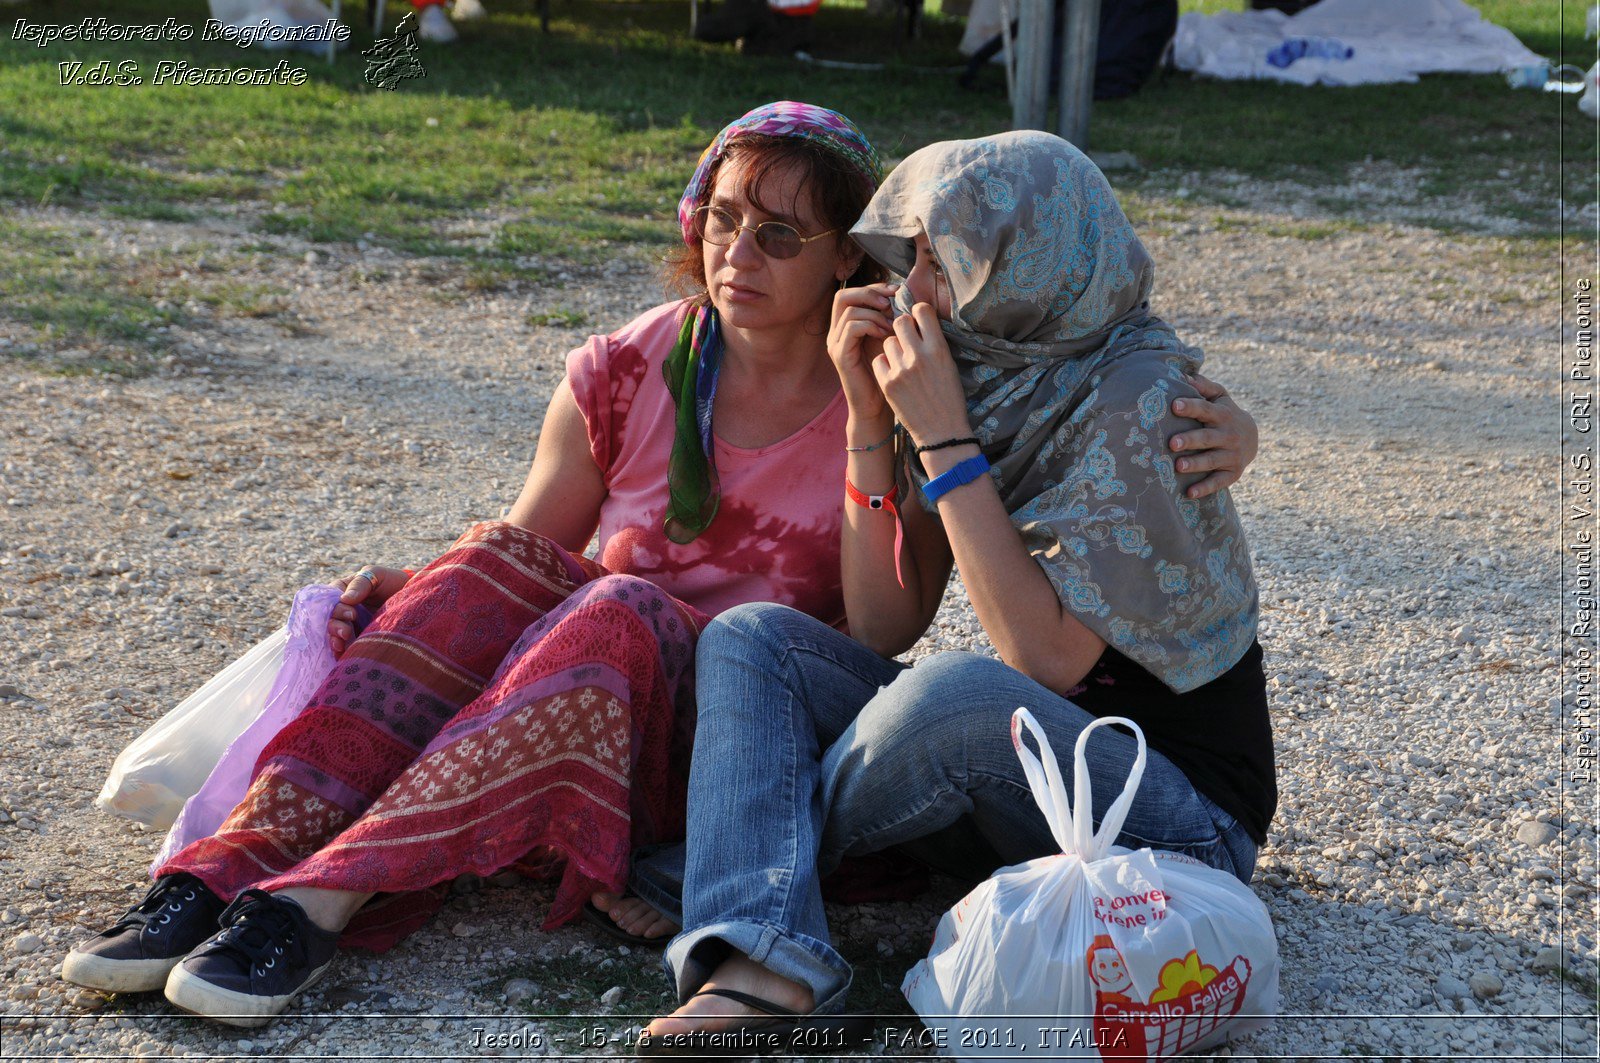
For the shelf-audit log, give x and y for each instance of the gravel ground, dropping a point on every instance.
(1425, 856)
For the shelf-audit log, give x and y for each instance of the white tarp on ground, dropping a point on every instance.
(1393, 40)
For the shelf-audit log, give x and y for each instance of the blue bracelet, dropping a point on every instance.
(962, 473)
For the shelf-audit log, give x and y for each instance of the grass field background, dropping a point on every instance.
(519, 147)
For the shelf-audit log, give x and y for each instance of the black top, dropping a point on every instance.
(1219, 735)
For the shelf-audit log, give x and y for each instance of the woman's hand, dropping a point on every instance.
(1223, 448)
(370, 585)
(861, 321)
(919, 378)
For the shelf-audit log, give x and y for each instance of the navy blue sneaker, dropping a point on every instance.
(267, 953)
(142, 948)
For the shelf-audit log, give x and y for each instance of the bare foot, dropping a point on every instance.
(634, 915)
(747, 976)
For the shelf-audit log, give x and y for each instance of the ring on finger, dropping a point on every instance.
(366, 574)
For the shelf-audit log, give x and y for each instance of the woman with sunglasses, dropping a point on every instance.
(515, 704)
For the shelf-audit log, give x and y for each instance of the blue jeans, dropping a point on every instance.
(810, 748)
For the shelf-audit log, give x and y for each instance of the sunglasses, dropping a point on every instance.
(776, 239)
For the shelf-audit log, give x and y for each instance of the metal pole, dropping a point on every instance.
(1031, 104)
(1008, 60)
(1080, 43)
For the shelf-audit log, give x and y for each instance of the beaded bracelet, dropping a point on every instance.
(948, 443)
(962, 473)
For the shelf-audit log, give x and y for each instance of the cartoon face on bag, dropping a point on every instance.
(1167, 954)
(1108, 970)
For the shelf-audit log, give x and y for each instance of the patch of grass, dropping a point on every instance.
(584, 136)
(558, 318)
(79, 308)
(95, 311)
(237, 299)
(502, 276)
(363, 275)
(1530, 258)
(573, 145)
(1144, 210)
(151, 210)
(1308, 230)
(1313, 230)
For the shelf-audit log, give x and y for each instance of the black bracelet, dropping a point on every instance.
(949, 443)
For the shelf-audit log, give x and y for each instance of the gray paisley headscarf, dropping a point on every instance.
(1069, 381)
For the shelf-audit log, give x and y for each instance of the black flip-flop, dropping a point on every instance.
(609, 927)
(788, 1032)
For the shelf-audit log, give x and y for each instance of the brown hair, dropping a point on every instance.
(839, 193)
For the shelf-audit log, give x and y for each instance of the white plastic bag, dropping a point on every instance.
(152, 778)
(1100, 952)
(198, 757)
(307, 660)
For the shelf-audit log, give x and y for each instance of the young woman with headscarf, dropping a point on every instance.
(1023, 359)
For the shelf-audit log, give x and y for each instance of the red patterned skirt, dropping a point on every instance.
(513, 706)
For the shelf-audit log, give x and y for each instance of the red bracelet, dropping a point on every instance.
(410, 573)
(882, 502)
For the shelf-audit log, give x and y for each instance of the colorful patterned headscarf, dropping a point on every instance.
(691, 368)
(1069, 381)
(785, 118)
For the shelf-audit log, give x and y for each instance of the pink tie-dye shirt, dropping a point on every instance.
(775, 537)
